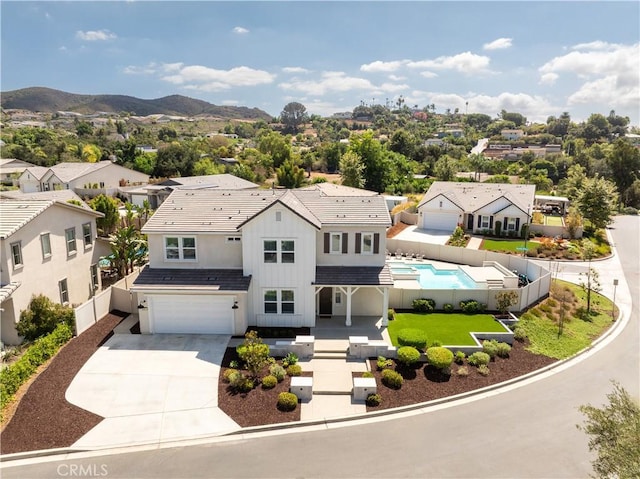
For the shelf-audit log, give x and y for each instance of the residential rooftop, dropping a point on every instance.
(473, 196)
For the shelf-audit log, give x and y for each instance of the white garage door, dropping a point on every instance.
(440, 221)
(191, 314)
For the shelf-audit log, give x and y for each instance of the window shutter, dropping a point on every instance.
(376, 243)
(345, 243)
(358, 242)
(490, 222)
(517, 224)
(479, 221)
(505, 223)
(326, 242)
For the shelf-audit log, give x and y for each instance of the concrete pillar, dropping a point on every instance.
(385, 306)
(349, 293)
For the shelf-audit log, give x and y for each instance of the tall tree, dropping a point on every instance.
(376, 166)
(126, 247)
(276, 146)
(290, 175)
(598, 201)
(175, 160)
(445, 168)
(624, 162)
(351, 168)
(108, 206)
(293, 115)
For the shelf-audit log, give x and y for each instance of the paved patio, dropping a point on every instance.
(413, 233)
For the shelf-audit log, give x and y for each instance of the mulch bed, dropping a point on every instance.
(44, 419)
(258, 406)
(425, 383)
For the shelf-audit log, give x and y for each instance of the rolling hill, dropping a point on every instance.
(40, 99)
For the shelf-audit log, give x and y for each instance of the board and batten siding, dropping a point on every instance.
(297, 276)
(213, 251)
(352, 256)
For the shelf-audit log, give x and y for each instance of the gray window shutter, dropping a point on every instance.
(517, 224)
(376, 243)
(490, 222)
(358, 242)
(326, 242)
(345, 243)
(479, 221)
(505, 223)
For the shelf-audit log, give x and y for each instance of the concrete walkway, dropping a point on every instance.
(474, 242)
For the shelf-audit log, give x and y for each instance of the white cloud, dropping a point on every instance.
(613, 91)
(171, 67)
(548, 78)
(200, 77)
(392, 87)
(396, 78)
(95, 35)
(330, 82)
(240, 30)
(499, 44)
(380, 66)
(428, 74)
(596, 45)
(467, 62)
(148, 69)
(295, 70)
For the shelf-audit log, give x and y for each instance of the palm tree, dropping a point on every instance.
(126, 246)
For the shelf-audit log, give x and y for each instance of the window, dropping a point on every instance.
(278, 215)
(279, 301)
(64, 291)
(511, 224)
(86, 234)
(70, 236)
(233, 239)
(484, 222)
(45, 242)
(338, 297)
(336, 243)
(284, 249)
(16, 254)
(94, 276)
(441, 204)
(367, 243)
(178, 248)
(270, 251)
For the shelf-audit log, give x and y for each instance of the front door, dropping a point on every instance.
(325, 308)
(470, 222)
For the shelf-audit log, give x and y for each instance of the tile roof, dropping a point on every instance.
(7, 290)
(227, 210)
(66, 171)
(57, 195)
(223, 181)
(331, 189)
(473, 196)
(37, 171)
(354, 275)
(218, 279)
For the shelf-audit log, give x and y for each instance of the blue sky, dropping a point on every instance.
(536, 58)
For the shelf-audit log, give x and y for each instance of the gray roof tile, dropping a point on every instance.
(473, 196)
(166, 278)
(354, 275)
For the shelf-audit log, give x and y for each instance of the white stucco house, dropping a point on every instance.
(48, 247)
(86, 179)
(223, 260)
(509, 134)
(11, 169)
(476, 207)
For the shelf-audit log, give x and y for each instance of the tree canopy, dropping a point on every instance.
(293, 115)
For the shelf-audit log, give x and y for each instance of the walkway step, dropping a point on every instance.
(330, 355)
(332, 393)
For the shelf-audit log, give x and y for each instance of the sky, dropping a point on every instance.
(535, 58)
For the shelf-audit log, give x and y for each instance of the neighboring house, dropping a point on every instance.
(47, 248)
(156, 194)
(223, 260)
(11, 169)
(86, 179)
(434, 142)
(393, 201)
(512, 134)
(476, 206)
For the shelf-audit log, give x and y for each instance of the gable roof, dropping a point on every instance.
(220, 211)
(15, 214)
(66, 172)
(37, 171)
(473, 196)
(223, 181)
(56, 195)
(332, 189)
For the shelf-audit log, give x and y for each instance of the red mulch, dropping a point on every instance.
(44, 419)
(396, 229)
(426, 383)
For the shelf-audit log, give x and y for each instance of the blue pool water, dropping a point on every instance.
(431, 278)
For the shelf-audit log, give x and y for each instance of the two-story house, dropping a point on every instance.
(220, 261)
(48, 247)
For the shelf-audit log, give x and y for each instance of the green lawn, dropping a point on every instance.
(577, 334)
(506, 245)
(449, 329)
(553, 220)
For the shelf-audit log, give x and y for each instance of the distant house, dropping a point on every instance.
(454, 132)
(48, 247)
(512, 134)
(434, 142)
(476, 206)
(11, 169)
(156, 194)
(86, 179)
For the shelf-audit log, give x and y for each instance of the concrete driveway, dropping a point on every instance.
(152, 388)
(413, 233)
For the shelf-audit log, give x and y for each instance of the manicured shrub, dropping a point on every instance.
(423, 305)
(503, 350)
(472, 306)
(287, 401)
(373, 400)
(478, 359)
(447, 308)
(435, 343)
(42, 316)
(484, 370)
(277, 372)
(289, 359)
(520, 334)
(294, 370)
(391, 314)
(226, 376)
(462, 371)
(439, 357)
(253, 352)
(368, 374)
(269, 382)
(412, 337)
(459, 357)
(234, 364)
(383, 363)
(240, 383)
(408, 355)
(490, 347)
(392, 379)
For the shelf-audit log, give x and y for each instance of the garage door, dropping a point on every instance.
(191, 314)
(440, 221)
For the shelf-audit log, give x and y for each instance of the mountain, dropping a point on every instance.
(47, 100)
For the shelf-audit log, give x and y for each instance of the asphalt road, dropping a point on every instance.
(527, 432)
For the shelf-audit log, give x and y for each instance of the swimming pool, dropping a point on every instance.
(431, 278)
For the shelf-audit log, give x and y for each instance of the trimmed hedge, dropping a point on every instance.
(412, 337)
(269, 382)
(287, 401)
(16, 374)
(423, 305)
(392, 379)
(471, 306)
(439, 357)
(479, 359)
(294, 370)
(408, 355)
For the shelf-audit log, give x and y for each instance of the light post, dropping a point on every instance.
(613, 309)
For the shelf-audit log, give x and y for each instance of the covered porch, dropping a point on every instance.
(344, 293)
